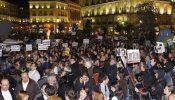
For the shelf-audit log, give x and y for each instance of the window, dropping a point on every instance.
(34, 13)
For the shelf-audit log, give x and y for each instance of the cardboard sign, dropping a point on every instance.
(38, 41)
(85, 41)
(159, 48)
(73, 33)
(15, 47)
(46, 42)
(120, 52)
(65, 45)
(74, 44)
(42, 47)
(0, 52)
(170, 42)
(133, 56)
(100, 37)
(28, 47)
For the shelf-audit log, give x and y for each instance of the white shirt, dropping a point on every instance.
(24, 85)
(105, 90)
(45, 97)
(6, 95)
(34, 75)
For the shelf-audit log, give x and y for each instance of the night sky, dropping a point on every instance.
(24, 3)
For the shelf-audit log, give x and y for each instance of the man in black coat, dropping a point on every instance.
(29, 85)
(5, 92)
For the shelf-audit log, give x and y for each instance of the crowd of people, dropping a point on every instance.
(87, 72)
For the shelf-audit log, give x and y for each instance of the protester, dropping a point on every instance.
(6, 93)
(90, 71)
(28, 85)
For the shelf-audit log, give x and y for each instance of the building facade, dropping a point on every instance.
(106, 13)
(8, 11)
(47, 14)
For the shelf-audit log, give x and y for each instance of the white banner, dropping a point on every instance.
(28, 47)
(46, 42)
(38, 41)
(120, 52)
(85, 41)
(0, 52)
(65, 45)
(100, 37)
(42, 47)
(159, 48)
(74, 44)
(15, 47)
(133, 56)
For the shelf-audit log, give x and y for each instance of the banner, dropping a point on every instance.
(74, 44)
(120, 52)
(133, 56)
(85, 41)
(46, 42)
(42, 47)
(159, 48)
(28, 47)
(15, 47)
(65, 45)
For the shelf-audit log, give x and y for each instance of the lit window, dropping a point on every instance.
(36, 6)
(48, 6)
(31, 6)
(42, 6)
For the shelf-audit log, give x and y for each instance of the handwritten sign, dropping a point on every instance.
(159, 48)
(120, 52)
(74, 44)
(46, 42)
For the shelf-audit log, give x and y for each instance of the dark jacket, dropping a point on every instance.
(11, 92)
(32, 89)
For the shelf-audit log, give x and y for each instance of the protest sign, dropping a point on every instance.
(120, 52)
(42, 47)
(133, 56)
(85, 41)
(65, 45)
(74, 44)
(100, 37)
(15, 47)
(28, 47)
(46, 42)
(159, 48)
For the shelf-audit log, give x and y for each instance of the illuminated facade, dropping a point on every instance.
(8, 11)
(108, 12)
(74, 13)
(47, 14)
